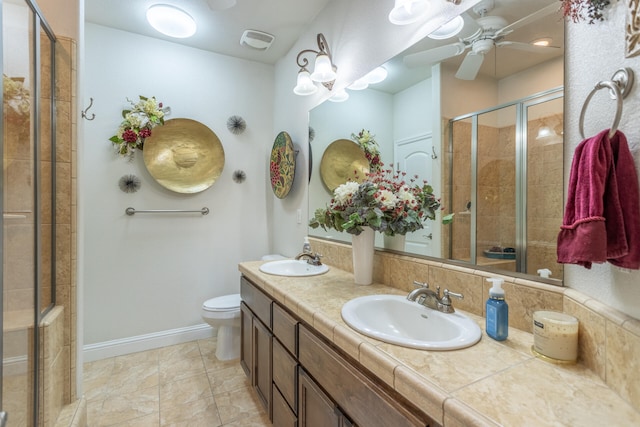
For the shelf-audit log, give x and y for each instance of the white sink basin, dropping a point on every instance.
(396, 320)
(293, 268)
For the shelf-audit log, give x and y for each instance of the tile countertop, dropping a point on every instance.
(489, 384)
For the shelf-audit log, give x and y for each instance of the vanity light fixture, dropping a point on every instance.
(406, 12)
(448, 29)
(376, 75)
(324, 71)
(171, 21)
(359, 84)
(339, 96)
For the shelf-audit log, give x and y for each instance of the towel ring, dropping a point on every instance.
(618, 97)
(619, 87)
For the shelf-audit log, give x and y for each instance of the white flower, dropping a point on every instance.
(405, 195)
(343, 193)
(388, 199)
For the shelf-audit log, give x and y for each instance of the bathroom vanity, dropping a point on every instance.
(303, 380)
(309, 368)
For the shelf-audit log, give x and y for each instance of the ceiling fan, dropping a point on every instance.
(489, 31)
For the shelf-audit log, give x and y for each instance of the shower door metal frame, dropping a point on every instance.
(39, 24)
(521, 125)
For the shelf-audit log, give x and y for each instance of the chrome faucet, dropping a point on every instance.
(427, 297)
(312, 258)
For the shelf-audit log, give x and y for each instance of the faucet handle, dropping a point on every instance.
(420, 284)
(447, 293)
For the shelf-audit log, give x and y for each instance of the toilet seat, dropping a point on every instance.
(224, 303)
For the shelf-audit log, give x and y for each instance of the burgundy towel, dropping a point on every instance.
(600, 222)
(626, 178)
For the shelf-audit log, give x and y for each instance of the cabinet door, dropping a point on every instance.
(246, 345)
(315, 408)
(262, 363)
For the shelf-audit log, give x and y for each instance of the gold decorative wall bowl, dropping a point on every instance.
(184, 156)
(343, 161)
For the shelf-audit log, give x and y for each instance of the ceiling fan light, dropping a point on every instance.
(544, 41)
(376, 75)
(304, 85)
(323, 69)
(171, 21)
(449, 29)
(407, 12)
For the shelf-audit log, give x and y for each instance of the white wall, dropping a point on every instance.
(594, 53)
(366, 109)
(150, 273)
(360, 37)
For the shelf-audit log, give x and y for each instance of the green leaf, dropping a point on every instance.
(448, 219)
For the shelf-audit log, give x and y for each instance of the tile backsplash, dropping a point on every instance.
(608, 339)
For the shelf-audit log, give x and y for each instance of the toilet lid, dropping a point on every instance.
(223, 303)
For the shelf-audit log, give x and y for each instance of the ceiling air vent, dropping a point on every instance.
(256, 39)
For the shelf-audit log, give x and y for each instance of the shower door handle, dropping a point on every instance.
(3, 419)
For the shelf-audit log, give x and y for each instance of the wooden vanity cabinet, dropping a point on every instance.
(256, 341)
(311, 384)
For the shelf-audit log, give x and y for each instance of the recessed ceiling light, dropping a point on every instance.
(449, 29)
(544, 41)
(221, 4)
(171, 21)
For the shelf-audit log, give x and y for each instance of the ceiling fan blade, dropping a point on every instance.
(528, 47)
(470, 66)
(547, 10)
(435, 55)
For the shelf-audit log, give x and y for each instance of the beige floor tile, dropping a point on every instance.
(260, 420)
(197, 413)
(177, 369)
(238, 404)
(184, 391)
(151, 420)
(178, 352)
(227, 379)
(171, 386)
(125, 407)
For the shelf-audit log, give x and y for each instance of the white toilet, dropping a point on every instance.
(223, 313)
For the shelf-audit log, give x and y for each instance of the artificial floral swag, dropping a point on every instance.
(589, 11)
(138, 122)
(366, 140)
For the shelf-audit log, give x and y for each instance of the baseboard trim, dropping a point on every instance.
(122, 346)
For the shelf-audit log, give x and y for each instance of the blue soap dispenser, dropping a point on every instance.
(497, 320)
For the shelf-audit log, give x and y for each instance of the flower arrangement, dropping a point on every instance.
(138, 121)
(385, 201)
(584, 10)
(15, 95)
(367, 142)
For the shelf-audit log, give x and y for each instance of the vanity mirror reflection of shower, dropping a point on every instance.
(507, 168)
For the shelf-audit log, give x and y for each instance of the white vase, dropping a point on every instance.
(362, 249)
(395, 243)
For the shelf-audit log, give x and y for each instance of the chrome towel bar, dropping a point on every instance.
(132, 211)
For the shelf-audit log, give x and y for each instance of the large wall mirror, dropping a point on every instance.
(480, 116)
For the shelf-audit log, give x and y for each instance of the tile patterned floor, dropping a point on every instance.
(180, 385)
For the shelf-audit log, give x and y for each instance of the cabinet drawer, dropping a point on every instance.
(285, 377)
(257, 301)
(282, 414)
(364, 401)
(285, 328)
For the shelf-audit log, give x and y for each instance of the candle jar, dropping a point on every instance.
(555, 336)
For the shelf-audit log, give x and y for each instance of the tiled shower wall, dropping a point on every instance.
(496, 193)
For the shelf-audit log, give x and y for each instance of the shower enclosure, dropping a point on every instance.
(27, 187)
(505, 185)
